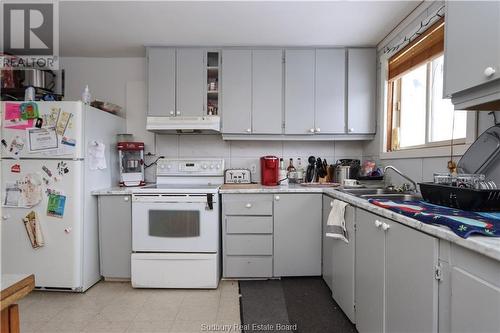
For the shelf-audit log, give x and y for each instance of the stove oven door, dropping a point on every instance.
(175, 223)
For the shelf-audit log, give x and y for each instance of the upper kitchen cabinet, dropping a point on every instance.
(472, 53)
(176, 81)
(299, 91)
(267, 91)
(361, 90)
(161, 81)
(252, 92)
(237, 91)
(190, 82)
(329, 115)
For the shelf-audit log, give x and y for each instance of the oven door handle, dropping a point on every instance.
(210, 201)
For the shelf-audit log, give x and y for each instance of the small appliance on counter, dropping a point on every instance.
(269, 168)
(131, 157)
(237, 176)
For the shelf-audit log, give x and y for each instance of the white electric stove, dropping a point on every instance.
(176, 226)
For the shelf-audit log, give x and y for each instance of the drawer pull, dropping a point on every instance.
(125, 198)
(248, 205)
(331, 203)
(277, 198)
(385, 226)
(378, 224)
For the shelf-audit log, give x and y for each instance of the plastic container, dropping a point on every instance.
(461, 197)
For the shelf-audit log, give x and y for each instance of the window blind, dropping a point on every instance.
(427, 46)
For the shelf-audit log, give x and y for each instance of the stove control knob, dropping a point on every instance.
(217, 166)
(169, 166)
(204, 166)
(211, 166)
(162, 166)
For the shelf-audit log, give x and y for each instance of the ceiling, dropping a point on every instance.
(122, 28)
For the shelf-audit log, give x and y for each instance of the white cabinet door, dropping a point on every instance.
(191, 80)
(361, 90)
(161, 81)
(472, 44)
(330, 91)
(370, 261)
(299, 91)
(267, 91)
(475, 303)
(237, 91)
(343, 267)
(411, 290)
(297, 234)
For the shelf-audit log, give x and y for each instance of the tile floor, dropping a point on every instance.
(110, 307)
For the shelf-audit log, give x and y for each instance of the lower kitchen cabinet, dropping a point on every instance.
(396, 285)
(115, 235)
(267, 235)
(338, 261)
(297, 234)
(473, 292)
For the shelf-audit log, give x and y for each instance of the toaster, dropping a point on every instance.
(237, 176)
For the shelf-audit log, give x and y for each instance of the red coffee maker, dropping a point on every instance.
(269, 170)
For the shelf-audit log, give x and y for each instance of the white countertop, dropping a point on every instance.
(488, 246)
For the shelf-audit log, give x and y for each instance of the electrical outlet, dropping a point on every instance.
(253, 168)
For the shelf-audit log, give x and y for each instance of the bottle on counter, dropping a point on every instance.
(86, 97)
(300, 171)
(283, 178)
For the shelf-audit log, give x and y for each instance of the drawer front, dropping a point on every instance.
(248, 204)
(249, 224)
(248, 267)
(249, 244)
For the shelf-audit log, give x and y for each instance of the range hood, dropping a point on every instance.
(207, 124)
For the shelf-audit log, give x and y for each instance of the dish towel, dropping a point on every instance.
(335, 224)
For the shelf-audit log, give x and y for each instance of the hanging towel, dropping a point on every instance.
(335, 225)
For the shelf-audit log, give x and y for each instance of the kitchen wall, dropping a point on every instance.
(418, 168)
(122, 81)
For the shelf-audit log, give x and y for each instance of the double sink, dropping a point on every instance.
(382, 193)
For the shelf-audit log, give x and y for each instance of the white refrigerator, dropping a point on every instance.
(54, 154)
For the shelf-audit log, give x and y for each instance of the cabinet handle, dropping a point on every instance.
(311, 130)
(5, 217)
(172, 113)
(277, 198)
(318, 130)
(178, 113)
(351, 130)
(248, 205)
(489, 71)
(125, 198)
(331, 203)
(378, 224)
(385, 226)
(249, 130)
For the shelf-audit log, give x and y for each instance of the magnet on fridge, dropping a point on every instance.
(16, 145)
(55, 205)
(16, 168)
(67, 230)
(29, 110)
(39, 123)
(47, 171)
(4, 143)
(62, 168)
(67, 141)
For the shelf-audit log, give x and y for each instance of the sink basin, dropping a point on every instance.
(393, 196)
(368, 191)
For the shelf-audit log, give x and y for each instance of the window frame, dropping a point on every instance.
(394, 112)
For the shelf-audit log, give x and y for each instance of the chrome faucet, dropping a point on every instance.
(402, 175)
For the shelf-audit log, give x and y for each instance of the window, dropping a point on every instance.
(417, 114)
